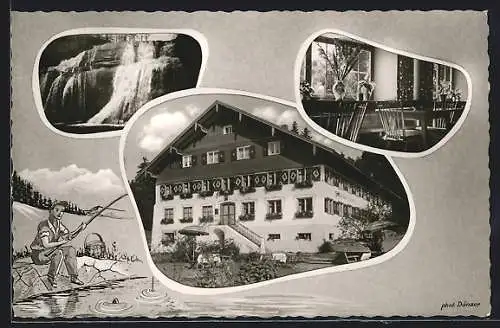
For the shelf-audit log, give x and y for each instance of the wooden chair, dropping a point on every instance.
(452, 111)
(395, 129)
(348, 123)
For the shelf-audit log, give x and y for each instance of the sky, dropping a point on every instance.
(85, 171)
(160, 124)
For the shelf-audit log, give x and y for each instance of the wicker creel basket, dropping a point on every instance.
(94, 245)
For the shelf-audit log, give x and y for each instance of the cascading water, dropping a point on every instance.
(131, 84)
(109, 82)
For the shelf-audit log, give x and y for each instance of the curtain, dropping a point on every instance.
(405, 78)
(425, 83)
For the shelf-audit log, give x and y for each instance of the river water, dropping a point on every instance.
(89, 303)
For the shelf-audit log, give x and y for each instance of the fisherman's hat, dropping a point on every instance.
(61, 203)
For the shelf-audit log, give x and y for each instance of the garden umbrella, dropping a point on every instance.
(349, 246)
(379, 225)
(193, 231)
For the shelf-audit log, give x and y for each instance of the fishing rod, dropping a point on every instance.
(47, 253)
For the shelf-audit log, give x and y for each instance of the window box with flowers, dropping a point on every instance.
(274, 216)
(247, 190)
(273, 187)
(186, 220)
(226, 192)
(207, 219)
(186, 195)
(304, 214)
(206, 193)
(247, 217)
(167, 197)
(304, 184)
(167, 221)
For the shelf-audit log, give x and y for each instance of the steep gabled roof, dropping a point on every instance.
(157, 161)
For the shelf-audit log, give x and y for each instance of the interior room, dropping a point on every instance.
(379, 98)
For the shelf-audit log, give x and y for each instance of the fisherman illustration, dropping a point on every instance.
(50, 245)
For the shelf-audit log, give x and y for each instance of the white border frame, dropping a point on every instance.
(178, 287)
(330, 135)
(200, 38)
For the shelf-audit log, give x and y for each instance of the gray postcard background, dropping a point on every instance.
(447, 257)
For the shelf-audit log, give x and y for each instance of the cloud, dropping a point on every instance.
(163, 127)
(79, 185)
(277, 116)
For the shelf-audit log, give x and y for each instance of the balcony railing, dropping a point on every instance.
(186, 220)
(273, 187)
(304, 184)
(304, 214)
(167, 221)
(247, 217)
(274, 216)
(206, 219)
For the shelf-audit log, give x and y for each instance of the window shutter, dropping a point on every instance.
(193, 160)
(233, 154)
(252, 151)
(221, 156)
(264, 149)
(282, 147)
(204, 159)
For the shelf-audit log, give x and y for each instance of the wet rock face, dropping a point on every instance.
(108, 82)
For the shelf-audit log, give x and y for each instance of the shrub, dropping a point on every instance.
(325, 247)
(256, 271)
(215, 275)
(183, 249)
(228, 248)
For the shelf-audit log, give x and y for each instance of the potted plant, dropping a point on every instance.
(306, 91)
(444, 90)
(366, 88)
(342, 61)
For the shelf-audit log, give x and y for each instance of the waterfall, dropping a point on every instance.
(131, 84)
(108, 83)
(68, 64)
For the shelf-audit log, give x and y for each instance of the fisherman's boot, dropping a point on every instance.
(76, 281)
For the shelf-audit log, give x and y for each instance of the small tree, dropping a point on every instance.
(352, 227)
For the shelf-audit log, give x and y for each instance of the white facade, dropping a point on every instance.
(321, 226)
